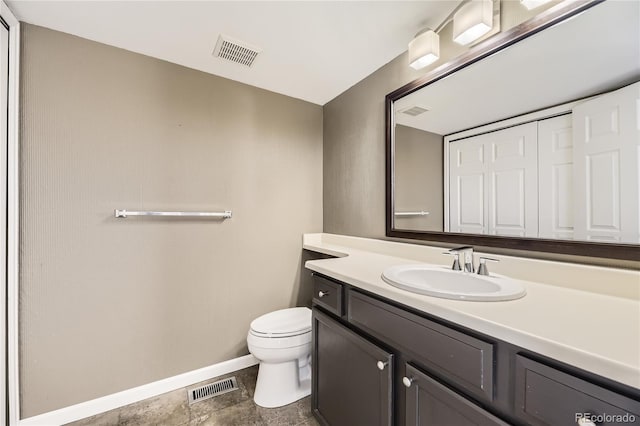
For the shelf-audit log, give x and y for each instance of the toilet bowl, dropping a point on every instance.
(281, 341)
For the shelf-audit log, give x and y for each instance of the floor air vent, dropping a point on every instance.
(212, 389)
(235, 51)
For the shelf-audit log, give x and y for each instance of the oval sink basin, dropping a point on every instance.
(448, 284)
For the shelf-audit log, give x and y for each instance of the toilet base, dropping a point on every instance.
(282, 383)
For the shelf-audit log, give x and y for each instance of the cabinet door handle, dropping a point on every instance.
(323, 293)
(407, 381)
(382, 364)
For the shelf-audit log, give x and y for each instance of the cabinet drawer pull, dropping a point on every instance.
(382, 364)
(407, 381)
(584, 421)
(323, 293)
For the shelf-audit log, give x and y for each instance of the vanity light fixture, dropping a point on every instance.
(532, 4)
(424, 49)
(472, 21)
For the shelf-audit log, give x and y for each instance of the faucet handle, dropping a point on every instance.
(482, 268)
(456, 259)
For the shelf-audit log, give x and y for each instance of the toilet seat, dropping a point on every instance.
(283, 323)
(255, 341)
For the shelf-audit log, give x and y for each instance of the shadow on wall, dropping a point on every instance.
(302, 294)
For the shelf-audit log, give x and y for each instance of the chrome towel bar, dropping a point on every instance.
(127, 213)
(406, 214)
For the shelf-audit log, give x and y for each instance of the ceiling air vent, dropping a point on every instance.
(414, 110)
(235, 50)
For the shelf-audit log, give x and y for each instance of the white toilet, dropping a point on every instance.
(281, 341)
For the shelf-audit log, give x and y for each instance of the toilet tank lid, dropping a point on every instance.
(285, 322)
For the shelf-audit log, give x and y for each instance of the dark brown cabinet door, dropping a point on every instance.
(429, 403)
(352, 377)
(546, 396)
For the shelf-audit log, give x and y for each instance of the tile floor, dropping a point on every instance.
(231, 409)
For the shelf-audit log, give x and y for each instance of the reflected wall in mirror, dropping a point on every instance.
(539, 140)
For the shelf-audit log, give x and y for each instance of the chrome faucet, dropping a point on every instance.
(465, 256)
(482, 268)
(456, 260)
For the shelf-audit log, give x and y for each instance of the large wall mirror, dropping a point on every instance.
(530, 141)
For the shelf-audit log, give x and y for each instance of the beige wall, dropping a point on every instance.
(418, 178)
(108, 304)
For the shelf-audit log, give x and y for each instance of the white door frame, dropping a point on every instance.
(11, 400)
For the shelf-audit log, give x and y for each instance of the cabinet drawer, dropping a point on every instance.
(456, 357)
(328, 294)
(431, 403)
(546, 396)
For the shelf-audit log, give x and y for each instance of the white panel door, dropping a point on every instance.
(493, 183)
(467, 199)
(555, 177)
(606, 155)
(512, 180)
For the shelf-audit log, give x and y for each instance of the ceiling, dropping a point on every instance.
(563, 63)
(311, 50)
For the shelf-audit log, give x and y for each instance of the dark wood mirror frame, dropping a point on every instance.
(496, 43)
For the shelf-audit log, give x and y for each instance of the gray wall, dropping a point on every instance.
(419, 178)
(354, 137)
(108, 304)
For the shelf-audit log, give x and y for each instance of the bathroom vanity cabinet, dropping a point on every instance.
(376, 362)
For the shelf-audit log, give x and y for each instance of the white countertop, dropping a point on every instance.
(596, 332)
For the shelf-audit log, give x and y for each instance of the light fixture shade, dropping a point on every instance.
(472, 21)
(532, 4)
(424, 49)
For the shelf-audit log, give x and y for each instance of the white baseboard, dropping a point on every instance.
(129, 396)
